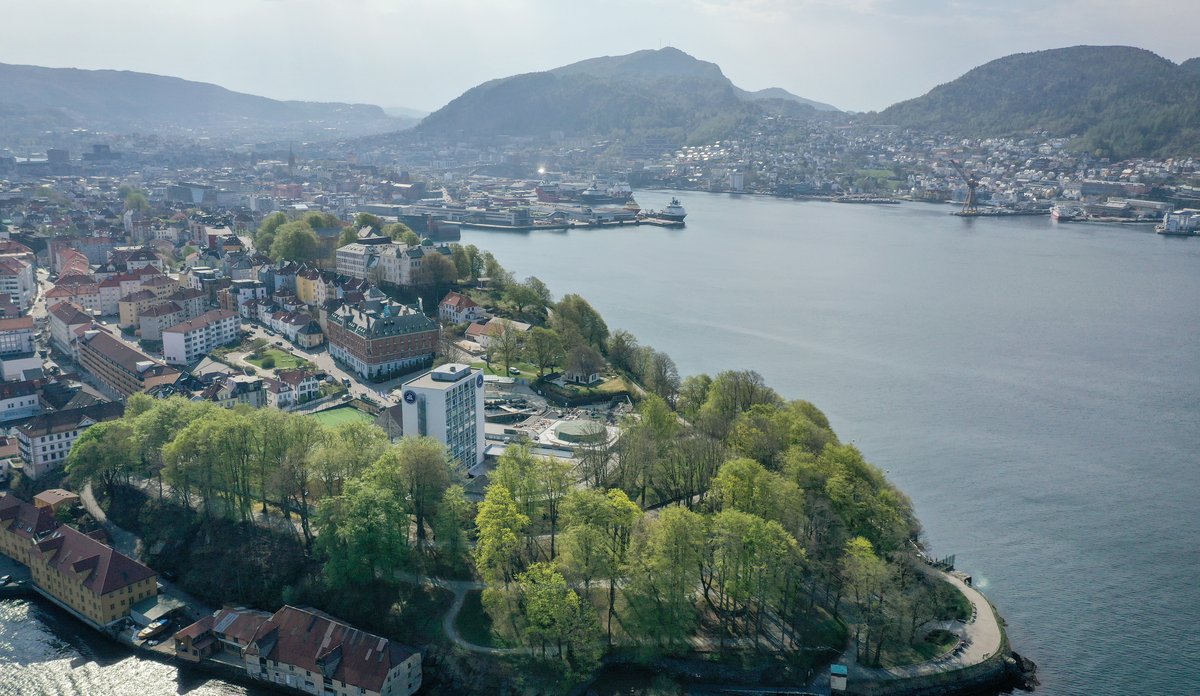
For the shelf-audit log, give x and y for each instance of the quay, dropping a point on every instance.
(573, 225)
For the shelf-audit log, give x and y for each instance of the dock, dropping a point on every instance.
(572, 225)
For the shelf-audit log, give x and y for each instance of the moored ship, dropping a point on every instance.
(1181, 223)
(673, 212)
(1064, 213)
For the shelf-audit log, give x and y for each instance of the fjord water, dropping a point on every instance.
(44, 651)
(1034, 387)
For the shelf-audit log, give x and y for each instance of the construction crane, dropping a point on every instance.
(972, 183)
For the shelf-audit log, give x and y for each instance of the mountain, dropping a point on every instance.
(1121, 101)
(125, 102)
(665, 92)
(783, 94)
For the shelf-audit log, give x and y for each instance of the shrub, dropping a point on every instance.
(268, 362)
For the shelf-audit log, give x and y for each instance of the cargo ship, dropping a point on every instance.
(596, 193)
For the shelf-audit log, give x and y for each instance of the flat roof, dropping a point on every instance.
(429, 381)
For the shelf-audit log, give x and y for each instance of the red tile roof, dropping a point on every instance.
(104, 570)
(29, 522)
(315, 641)
(458, 301)
(239, 625)
(69, 313)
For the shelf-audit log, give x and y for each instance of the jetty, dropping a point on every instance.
(571, 225)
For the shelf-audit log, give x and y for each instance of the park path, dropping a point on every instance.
(980, 635)
(123, 541)
(450, 619)
(131, 545)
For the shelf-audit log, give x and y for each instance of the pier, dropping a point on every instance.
(571, 225)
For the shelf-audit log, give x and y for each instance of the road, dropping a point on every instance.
(324, 361)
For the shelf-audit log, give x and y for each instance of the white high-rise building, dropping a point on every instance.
(447, 405)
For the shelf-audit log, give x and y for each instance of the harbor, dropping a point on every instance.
(573, 225)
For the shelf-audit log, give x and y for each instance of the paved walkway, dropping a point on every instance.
(450, 620)
(131, 545)
(123, 541)
(981, 637)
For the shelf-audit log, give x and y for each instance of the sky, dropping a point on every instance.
(858, 55)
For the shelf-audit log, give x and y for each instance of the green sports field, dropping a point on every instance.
(342, 414)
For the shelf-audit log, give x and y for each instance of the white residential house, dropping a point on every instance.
(17, 279)
(65, 320)
(16, 335)
(191, 340)
(19, 400)
(45, 440)
(483, 333)
(456, 308)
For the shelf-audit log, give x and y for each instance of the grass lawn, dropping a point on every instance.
(934, 644)
(473, 622)
(528, 371)
(283, 359)
(342, 414)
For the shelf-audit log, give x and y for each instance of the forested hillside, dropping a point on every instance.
(649, 93)
(33, 97)
(1120, 101)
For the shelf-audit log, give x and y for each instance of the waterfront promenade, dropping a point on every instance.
(981, 640)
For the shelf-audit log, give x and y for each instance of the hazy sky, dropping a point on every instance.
(855, 54)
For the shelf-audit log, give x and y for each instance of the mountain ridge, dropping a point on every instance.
(121, 100)
(653, 92)
(1120, 101)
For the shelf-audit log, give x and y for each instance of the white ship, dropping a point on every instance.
(673, 212)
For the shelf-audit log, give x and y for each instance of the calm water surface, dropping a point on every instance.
(1034, 387)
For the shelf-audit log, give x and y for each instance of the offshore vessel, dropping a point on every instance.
(673, 212)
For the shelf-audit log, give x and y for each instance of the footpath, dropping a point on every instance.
(131, 545)
(980, 640)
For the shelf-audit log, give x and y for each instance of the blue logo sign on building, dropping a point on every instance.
(410, 396)
(479, 381)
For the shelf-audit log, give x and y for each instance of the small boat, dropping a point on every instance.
(153, 629)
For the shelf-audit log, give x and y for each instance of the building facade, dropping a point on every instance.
(16, 335)
(378, 338)
(65, 318)
(120, 367)
(189, 341)
(45, 440)
(447, 405)
(18, 280)
(19, 400)
(89, 576)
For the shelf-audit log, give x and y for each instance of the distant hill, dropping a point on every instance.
(783, 94)
(1121, 101)
(665, 92)
(125, 102)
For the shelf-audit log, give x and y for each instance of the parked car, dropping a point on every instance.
(513, 371)
(279, 343)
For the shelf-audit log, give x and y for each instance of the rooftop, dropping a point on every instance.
(101, 568)
(202, 321)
